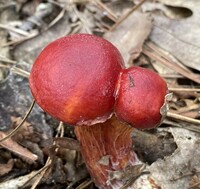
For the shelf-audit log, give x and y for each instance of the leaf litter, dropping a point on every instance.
(161, 35)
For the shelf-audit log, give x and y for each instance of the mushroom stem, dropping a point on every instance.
(107, 151)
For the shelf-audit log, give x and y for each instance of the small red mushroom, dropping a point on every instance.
(74, 79)
(140, 97)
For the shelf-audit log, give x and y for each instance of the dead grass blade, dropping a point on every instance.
(20, 71)
(184, 126)
(16, 42)
(16, 30)
(110, 13)
(41, 173)
(57, 19)
(184, 89)
(7, 60)
(183, 118)
(153, 52)
(36, 174)
(84, 184)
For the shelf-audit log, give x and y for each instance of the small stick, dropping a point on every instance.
(190, 127)
(151, 53)
(20, 71)
(7, 60)
(110, 13)
(16, 30)
(183, 118)
(40, 171)
(84, 184)
(18, 41)
(184, 89)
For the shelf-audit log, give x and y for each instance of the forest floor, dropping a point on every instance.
(163, 35)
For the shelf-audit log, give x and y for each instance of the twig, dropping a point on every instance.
(21, 123)
(37, 173)
(151, 51)
(184, 89)
(20, 40)
(176, 76)
(4, 66)
(20, 71)
(164, 55)
(16, 70)
(57, 19)
(111, 15)
(7, 60)
(84, 184)
(190, 127)
(131, 181)
(183, 118)
(41, 172)
(185, 175)
(83, 20)
(16, 30)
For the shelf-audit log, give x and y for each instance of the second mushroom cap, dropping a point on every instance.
(140, 95)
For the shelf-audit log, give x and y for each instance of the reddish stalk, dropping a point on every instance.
(107, 151)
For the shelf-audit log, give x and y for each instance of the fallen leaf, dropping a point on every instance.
(130, 35)
(180, 37)
(67, 143)
(176, 171)
(6, 168)
(195, 182)
(14, 147)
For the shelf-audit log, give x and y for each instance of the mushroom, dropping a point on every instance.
(73, 79)
(77, 79)
(141, 98)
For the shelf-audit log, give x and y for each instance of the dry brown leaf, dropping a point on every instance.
(25, 131)
(6, 168)
(155, 53)
(130, 35)
(67, 143)
(195, 182)
(169, 173)
(177, 170)
(17, 149)
(180, 37)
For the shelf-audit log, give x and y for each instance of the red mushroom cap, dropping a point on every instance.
(140, 95)
(74, 77)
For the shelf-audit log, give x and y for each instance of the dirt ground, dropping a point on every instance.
(38, 151)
